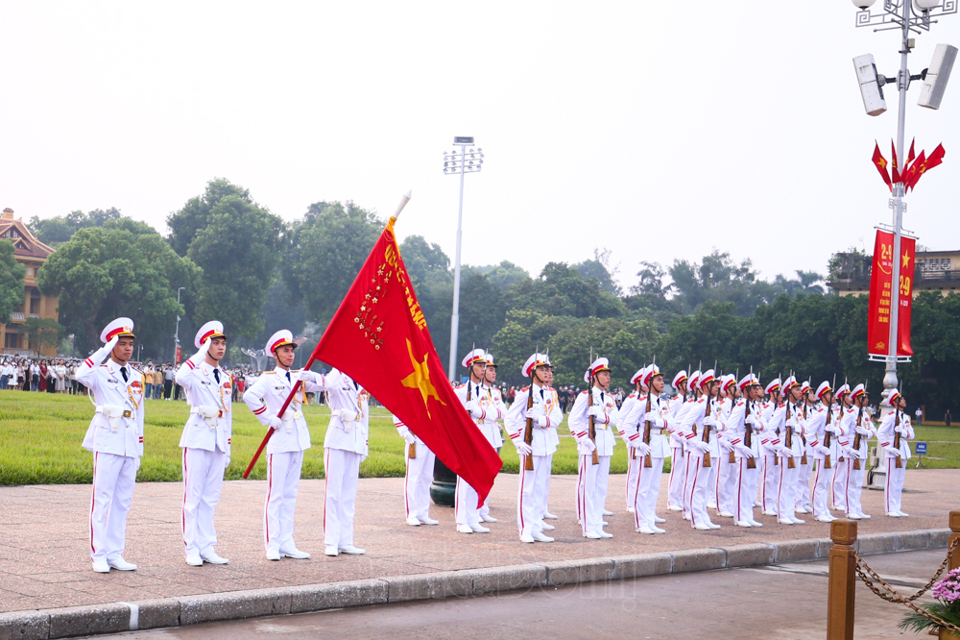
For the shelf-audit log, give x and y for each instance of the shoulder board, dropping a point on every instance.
(583, 393)
(527, 388)
(460, 386)
(740, 402)
(269, 373)
(632, 395)
(140, 371)
(701, 400)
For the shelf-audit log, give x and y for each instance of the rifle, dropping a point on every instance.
(706, 431)
(896, 435)
(803, 438)
(788, 438)
(592, 433)
(826, 434)
(528, 429)
(857, 438)
(648, 459)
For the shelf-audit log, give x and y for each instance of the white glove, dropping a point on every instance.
(346, 415)
(725, 444)
(892, 451)
(523, 448)
(198, 357)
(596, 411)
(786, 452)
(538, 421)
(641, 447)
(709, 421)
(750, 420)
(854, 453)
(745, 451)
(408, 437)
(655, 421)
(824, 451)
(830, 428)
(698, 445)
(589, 445)
(275, 423)
(863, 431)
(473, 408)
(103, 352)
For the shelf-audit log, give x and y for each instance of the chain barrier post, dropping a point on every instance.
(843, 580)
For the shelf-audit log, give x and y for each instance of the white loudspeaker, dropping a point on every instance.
(938, 73)
(870, 89)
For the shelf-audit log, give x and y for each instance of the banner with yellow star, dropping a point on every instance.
(380, 338)
(881, 292)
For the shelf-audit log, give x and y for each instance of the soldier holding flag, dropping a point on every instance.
(477, 403)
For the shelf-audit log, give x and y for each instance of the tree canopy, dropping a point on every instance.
(12, 274)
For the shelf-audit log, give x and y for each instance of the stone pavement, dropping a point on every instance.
(44, 558)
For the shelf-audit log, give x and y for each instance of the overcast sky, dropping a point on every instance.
(658, 130)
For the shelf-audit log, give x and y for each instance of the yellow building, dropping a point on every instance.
(31, 253)
(934, 271)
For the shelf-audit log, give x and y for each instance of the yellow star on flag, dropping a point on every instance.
(420, 379)
(906, 259)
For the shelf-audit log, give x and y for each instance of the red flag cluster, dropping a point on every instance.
(913, 168)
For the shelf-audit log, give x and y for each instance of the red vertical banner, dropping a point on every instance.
(881, 282)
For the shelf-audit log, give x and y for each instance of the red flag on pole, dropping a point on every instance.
(881, 283)
(379, 337)
(894, 174)
(881, 164)
(910, 156)
(912, 174)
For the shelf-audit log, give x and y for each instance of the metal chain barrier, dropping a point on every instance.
(869, 576)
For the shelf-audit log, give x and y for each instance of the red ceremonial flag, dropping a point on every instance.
(911, 155)
(916, 169)
(894, 174)
(935, 158)
(881, 164)
(881, 278)
(379, 337)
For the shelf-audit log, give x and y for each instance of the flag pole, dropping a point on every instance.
(256, 456)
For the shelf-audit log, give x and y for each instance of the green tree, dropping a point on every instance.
(57, 230)
(328, 247)
(562, 291)
(503, 276)
(43, 333)
(104, 273)
(238, 245)
(12, 274)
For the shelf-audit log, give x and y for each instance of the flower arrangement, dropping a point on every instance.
(947, 606)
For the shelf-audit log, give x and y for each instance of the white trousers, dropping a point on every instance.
(802, 492)
(532, 494)
(894, 485)
(417, 481)
(202, 481)
(648, 490)
(283, 480)
(699, 479)
(592, 489)
(769, 481)
(746, 490)
(633, 472)
(854, 485)
(465, 504)
(787, 488)
(342, 470)
(726, 482)
(840, 470)
(113, 480)
(546, 491)
(820, 493)
(678, 465)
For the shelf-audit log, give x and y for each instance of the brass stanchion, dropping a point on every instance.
(843, 580)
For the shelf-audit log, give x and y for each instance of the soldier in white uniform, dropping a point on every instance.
(743, 431)
(841, 430)
(205, 442)
(597, 403)
(677, 460)
(637, 395)
(419, 476)
(700, 431)
(476, 402)
(289, 439)
(725, 484)
(496, 411)
(531, 494)
(689, 405)
(553, 400)
(345, 447)
(115, 437)
(817, 430)
(635, 426)
(862, 430)
(770, 473)
(805, 461)
(789, 446)
(894, 432)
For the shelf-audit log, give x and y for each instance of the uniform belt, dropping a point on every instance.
(196, 410)
(127, 413)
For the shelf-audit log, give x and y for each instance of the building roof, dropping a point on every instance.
(24, 244)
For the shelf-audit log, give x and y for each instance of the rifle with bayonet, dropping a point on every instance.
(857, 439)
(648, 459)
(705, 437)
(896, 435)
(826, 434)
(592, 433)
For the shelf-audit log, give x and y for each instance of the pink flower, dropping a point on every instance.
(948, 589)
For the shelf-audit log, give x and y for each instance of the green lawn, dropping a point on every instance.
(943, 447)
(40, 436)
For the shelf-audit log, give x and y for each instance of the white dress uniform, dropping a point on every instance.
(479, 407)
(490, 425)
(743, 416)
(894, 423)
(854, 485)
(345, 447)
(115, 436)
(205, 441)
(788, 417)
(265, 398)
(532, 490)
(626, 409)
(677, 460)
(592, 480)
(844, 422)
(699, 478)
(553, 400)
(419, 476)
(726, 473)
(648, 478)
(816, 440)
(771, 469)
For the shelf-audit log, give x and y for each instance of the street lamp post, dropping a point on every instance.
(907, 16)
(176, 333)
(459, 162)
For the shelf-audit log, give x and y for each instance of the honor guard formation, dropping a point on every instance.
(783, 448)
